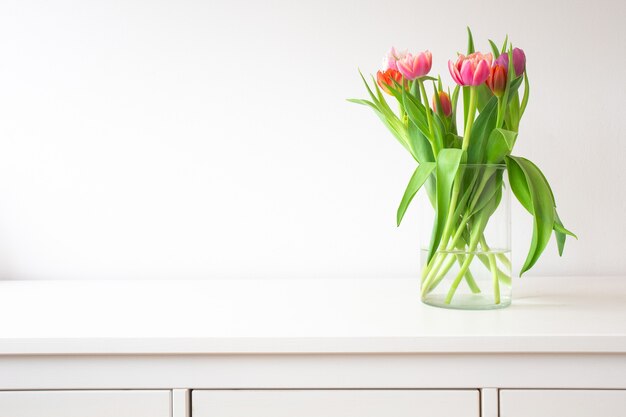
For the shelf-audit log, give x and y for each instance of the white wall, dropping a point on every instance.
(199, 139)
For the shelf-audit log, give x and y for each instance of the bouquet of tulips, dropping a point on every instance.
(492, 107)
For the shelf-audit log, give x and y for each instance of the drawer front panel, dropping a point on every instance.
(85, 403)
(335, 403)
(570, 403)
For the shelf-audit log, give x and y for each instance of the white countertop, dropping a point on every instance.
(576, 314)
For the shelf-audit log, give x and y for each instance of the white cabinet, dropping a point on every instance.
(570, 403)
(309, 348)
(78, 403)
(335, 403)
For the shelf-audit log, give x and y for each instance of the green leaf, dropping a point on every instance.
(448, 162)
(558, 227)
(484, 124)
(470, 42)
(420, 145)
(381, 99)
(483, 95)
(453, 141)
(526, 94)
(369, 90)
(513, 88)
(493, 186)
(392, 122)
(506, 40)
(494, 49)
(363, 102)
(455, 99)
(421, 174)
(560, 233)
(466, 99)
(490, 186)
(499, 145)
(416, 114)
(541, 204)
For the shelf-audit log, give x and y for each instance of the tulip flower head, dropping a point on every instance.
(388, 78)
(415, 66)
(390, 59)
(497, 79)
(471, 70)
(519, 61)
(446, 104)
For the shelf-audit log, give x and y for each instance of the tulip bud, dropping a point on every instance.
(446, 104)
(519, 61)
(497, 79)
(388, 78)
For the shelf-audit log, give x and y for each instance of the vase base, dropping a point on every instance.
(466, 302)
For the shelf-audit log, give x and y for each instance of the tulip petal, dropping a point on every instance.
(519, 61)
(454, 72)
(421, 65)
(405, 70)
(467, 72)
(481, 73)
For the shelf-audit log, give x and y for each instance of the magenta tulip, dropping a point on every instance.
(415, 66)
(471, 70)
(519, 61)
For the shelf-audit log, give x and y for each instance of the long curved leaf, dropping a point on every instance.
(541, 204)
(520, 188)
(448, 162)
(419, 177)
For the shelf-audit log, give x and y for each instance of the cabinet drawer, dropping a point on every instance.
(85, 403)
(335, 403)
(570, 403)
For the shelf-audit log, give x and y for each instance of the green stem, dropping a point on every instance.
(501, 256)
(485, 179)
(505, 261)
(431, 129)
(504, 278)
(457, 183)
(478, 227)
(494, 275)
(500, 113)
(470, 118)
(469, 277)
(432, 273)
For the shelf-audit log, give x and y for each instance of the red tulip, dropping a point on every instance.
(446, 104)
(497, 79)
(388, 78)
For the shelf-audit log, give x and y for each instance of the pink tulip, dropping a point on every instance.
(471, 70)
(519, 61)
(390, 59)
(415, 66)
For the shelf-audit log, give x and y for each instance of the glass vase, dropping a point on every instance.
(465, 246)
